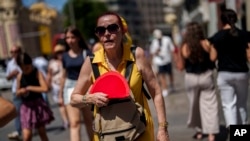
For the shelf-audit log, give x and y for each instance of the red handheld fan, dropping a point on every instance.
(113, 84)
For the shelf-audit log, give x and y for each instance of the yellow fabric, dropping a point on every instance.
(135, 85)
(127, 38)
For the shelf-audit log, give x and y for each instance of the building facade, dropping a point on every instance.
(31, 28)
(9, 30)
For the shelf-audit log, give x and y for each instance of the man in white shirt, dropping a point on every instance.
(161, 50)
(11, 73)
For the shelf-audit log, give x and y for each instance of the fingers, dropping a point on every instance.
(101, 100)
(100, 104)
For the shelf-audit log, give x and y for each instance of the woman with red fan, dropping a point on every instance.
(114, 56)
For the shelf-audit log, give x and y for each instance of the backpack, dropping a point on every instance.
(121, 119)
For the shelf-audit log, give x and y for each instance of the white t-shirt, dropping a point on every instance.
(41, 64)
(166, 49)
(11, 66)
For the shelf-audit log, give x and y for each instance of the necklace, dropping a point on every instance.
(107, 62)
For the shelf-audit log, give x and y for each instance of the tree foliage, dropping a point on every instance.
(86, 13)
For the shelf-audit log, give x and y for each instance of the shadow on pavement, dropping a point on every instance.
(55, 129)
(177, 91)
(223, 135)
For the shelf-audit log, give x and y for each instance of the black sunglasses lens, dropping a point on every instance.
(100, 30)
(113, 28)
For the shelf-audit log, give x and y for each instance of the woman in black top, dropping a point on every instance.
(34, 111)
(232, 45)
(198, 57)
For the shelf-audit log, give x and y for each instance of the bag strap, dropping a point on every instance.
(160, 42)
(94, 67)
(95, 71)
(129, 71)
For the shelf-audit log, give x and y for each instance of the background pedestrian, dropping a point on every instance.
(54, 75)
(72, 61)
(34, 111)
(233, 47)
(12, 71)
(162, 49)
(199, 57)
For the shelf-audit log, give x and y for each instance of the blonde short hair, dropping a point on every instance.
(157, 33)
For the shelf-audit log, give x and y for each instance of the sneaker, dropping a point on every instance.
(165, 93)
(14, 135)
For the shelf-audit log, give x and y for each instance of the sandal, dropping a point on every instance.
(199, 135)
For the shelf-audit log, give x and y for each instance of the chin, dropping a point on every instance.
(109, 46)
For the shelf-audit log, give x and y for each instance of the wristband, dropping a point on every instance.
(84, 100)
(163, 124)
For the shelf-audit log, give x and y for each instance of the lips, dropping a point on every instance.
(108, 41)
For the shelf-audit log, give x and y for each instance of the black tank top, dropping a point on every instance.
(199, 67)
(30, 80)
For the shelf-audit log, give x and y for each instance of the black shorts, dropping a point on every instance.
(165, 69)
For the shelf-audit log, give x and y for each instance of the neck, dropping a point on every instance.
(76, 50)
(113, 59)
(114, 54)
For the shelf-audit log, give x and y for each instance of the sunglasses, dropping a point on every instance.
(112, 28)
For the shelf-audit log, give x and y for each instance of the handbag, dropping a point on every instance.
(120, 120)
(7, 111)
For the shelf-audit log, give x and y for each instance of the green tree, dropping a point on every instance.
(85, 14)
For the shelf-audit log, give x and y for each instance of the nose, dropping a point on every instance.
(69, 40)
(106, 32)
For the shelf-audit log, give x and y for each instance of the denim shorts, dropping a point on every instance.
(68, 88)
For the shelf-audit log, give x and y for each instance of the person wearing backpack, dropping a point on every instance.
(162, 50)
(114, 56)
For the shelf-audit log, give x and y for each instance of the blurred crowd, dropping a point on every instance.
(225, 54)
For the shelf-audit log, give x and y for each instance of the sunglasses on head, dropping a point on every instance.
(112, 28)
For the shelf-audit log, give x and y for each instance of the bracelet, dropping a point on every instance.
(84, 100)
(163, 124)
